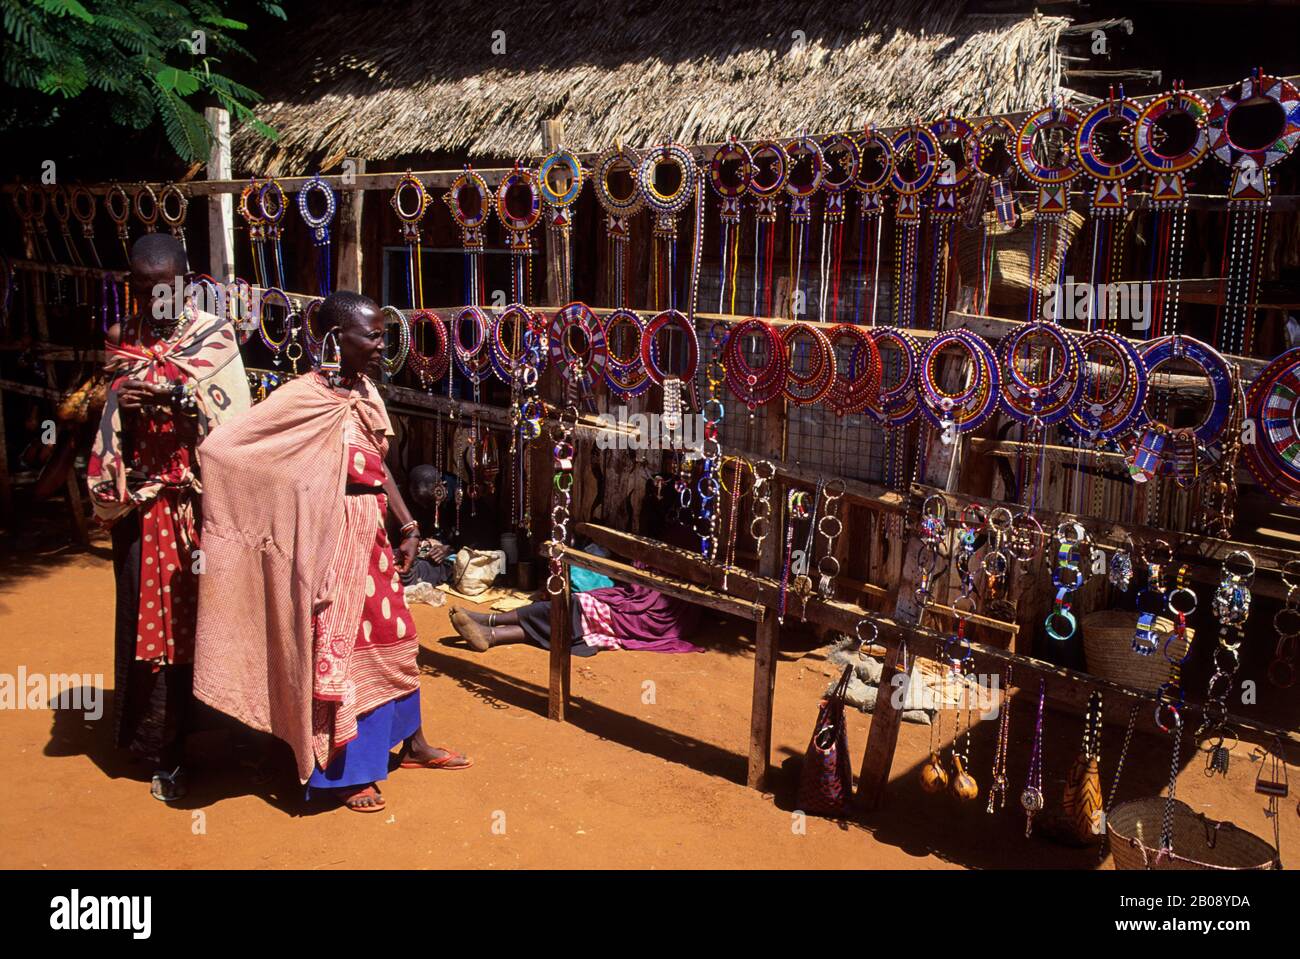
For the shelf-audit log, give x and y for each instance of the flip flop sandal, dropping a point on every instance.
(367, 793)
(168, 786)
(440, 762)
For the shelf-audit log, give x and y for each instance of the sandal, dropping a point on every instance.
(168, 786)
(439, 762)
(353, 801)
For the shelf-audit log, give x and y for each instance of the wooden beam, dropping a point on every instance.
(557, 699)
(349, 234)
(221, 209)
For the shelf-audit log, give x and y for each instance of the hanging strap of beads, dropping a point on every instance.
(561, 497)
(1031, 797)
(931, 531)
(830, 527)
(1119, 771)
(760, 521)
(1167, 820)
(998, 778)
(997, 563)
(738, 466)
(1231, 607)
(712, 412)
(796, 507)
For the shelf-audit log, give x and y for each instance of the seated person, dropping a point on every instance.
(431, 563)
(623, 616)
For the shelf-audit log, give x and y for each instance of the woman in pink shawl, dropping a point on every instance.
(303, 625)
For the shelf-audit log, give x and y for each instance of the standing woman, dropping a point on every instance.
(303, 628)
(175, 376)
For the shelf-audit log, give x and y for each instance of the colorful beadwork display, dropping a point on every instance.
(1104, 147)
(577, 345)
(1273, 413)
(1170, 139)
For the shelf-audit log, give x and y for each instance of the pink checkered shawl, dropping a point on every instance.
(273, 493)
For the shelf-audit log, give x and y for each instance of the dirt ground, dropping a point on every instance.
(626, 784)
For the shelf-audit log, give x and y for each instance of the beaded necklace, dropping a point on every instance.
(410, 217)
(916, 153)
(1031, 797)
(875, 169)
(730, 172)
(252, 218)
(320, 229)
(519, 207)
(666, 207)
(767, 185)
(470, 202)
(619, 210)
(559, 180)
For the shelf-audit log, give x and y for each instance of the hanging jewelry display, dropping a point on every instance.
(1082, 799)
(754, 384)
(271, 205)
(875, 169)
(619, 210)
(83, 208)
(971, 405)
(666, 207)
(1163, 449)
(118, 207)
(842, 158)
(577, 345)
(470, 202)
(810, 363)
(320, 230)
(519, 207)
(624, 374)
(429, 365)
(1273, 410)
(673, 384)
(1252, 126)
(277, 297)
(1106, 154)
(559, 180)
(767, 183)
(249, 210)
(1031, 797)
(1231, 607)
(410, 215)
(916, 163)
(858, 370)
(1046, 155)
(145, 203)
(730, 171)
(807, 167)
(1169, 139)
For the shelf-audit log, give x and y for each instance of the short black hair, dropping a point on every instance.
(342, 307)
(160, 250)
(422, 481)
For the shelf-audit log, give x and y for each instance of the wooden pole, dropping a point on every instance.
(767, 635)
(221, 212)
(349, 233)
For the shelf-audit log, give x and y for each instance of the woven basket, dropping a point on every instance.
(1198, 841)
(1108, 649)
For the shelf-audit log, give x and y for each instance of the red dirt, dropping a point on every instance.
(627, 784)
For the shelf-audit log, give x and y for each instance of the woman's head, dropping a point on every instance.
(359, 326)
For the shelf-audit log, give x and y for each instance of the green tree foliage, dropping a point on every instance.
(146, 60)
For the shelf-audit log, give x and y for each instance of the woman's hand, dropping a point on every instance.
(137, 395)
(406, 551)
(438, 552)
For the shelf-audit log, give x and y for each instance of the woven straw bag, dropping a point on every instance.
(1198, 841)
(1108, 649)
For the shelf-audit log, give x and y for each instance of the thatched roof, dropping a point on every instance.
(387, 80)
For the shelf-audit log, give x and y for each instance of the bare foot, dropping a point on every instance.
(476, 634)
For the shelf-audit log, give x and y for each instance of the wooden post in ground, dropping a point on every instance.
(221, 212)
(943, 465)
(767, 638)
(349, 231)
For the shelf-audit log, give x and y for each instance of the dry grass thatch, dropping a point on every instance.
(387, 80)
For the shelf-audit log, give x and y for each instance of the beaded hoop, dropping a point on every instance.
(733, 149)
(1273, 406)
(1212, 364)
(952, 128)
(870, 141)
(650, 348)
(409, 181)
(271, 188)
(319, 225)
(849, 146)
(172, 192)
(968, 409)
(1281, 92)
(780, 170)
(471, 358)
(117, 205)
(898, 404)
(393, 365)
(1149, 137)
(1089, 148)
(1037, 124)
(470, 223)
(795, 150)
(754, 386)
(86, 217)
(505, 361)
(432, 366)
(1101, 417)
(807, 388)
(517, 222)
(1044, 401)
(310, 339)
(591, 356)
(246, 197)
(148, 215)
(605, 165)
(668, 204)
(918, 144)
(240, 292)
(857, 377)
(994, 132)
(274, 294)
(569, 160)
(625, 374)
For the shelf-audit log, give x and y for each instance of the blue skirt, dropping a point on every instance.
(365, 759)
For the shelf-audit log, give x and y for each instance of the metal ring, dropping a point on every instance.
(1181, 591)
